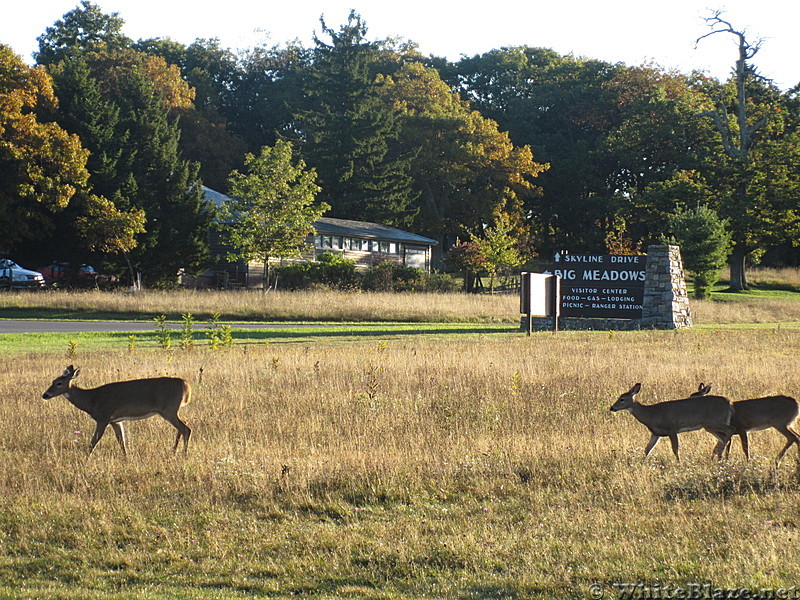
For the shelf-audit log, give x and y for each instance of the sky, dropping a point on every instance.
(628, 31)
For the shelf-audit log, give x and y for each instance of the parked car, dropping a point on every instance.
(12, 276)
(64, 275)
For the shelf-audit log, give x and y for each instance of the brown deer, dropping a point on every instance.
(113, 403)
(768, 412)
(668, 419)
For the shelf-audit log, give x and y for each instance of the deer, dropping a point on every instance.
(114, 403)
(668, 419)
(768, 412)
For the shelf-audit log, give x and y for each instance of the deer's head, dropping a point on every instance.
(61, 384)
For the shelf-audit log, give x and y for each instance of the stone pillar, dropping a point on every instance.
(666, 303)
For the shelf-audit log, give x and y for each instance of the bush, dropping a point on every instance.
(333, 271)
(329, 270)
(705, 245)
(388, 276)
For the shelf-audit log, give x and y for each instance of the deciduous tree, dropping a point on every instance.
(42, 166)
(273, 207)
(757, 126)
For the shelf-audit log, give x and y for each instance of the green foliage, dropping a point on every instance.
(333, 271)
(464, 166)
(120, 102)
(83, 28)
(187, 331)
(163, 332)
(350, 134)
(329, 270)
(705, 245)
(498, 248)
(273, 206)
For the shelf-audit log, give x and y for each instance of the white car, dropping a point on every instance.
(12, 276)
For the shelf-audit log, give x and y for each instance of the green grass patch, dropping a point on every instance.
(148, 340)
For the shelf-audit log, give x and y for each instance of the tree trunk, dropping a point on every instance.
(265, 279)
(737, 262)
(135, 285)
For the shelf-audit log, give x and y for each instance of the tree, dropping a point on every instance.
(705, 245)
(349, 135)
(466, 257)
(757, 140)
(108, 229)
(215, 75)
(498, 247)
(124, 104)
(273, 207)
(464, 166)
(42, 166)
(82, 29)
(562, 108)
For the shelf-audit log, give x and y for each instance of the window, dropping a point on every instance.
(415, 258)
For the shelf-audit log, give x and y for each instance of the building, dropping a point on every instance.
(366, 244)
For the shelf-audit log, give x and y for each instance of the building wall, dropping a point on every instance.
(364, 252)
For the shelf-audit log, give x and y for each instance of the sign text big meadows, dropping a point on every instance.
(606, 286)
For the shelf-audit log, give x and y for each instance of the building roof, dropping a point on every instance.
(363, 229)
(344, 227)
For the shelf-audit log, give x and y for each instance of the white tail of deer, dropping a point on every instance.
(769, 412)
(113, 403)
(668, 419)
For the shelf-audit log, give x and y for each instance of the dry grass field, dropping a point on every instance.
(473, 467)
(324, 305)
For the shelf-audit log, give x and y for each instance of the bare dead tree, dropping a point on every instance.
(737, 149)
(736, 141)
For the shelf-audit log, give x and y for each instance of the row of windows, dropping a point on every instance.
(338, 242)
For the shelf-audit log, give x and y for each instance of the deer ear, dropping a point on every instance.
(706, 389)
(68, 371)
(636, 389)
(76, 372)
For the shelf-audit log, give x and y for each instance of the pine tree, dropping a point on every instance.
(350, 134)
(113, 102)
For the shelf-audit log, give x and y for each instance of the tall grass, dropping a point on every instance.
(483, 468)
(322, 305)
(272, 306)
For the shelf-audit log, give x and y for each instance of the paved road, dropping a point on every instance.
(23, 326)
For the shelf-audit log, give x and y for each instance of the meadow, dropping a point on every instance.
(444, 466)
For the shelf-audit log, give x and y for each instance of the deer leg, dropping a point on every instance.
(183, 431)
(728, 446)
(651, 444)
(98, 433)
(792, 438)
(723, 441)
(673, 438)
(119, 430)
(745, 443)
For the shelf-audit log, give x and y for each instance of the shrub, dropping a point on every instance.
(329, 270)
(388, 276)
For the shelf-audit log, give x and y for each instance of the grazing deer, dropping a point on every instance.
(769, 412)
(113, 403)
(668, 419)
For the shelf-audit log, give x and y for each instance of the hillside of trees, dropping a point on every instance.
(106, 142)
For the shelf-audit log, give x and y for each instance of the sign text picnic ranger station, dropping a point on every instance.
(600, 285)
